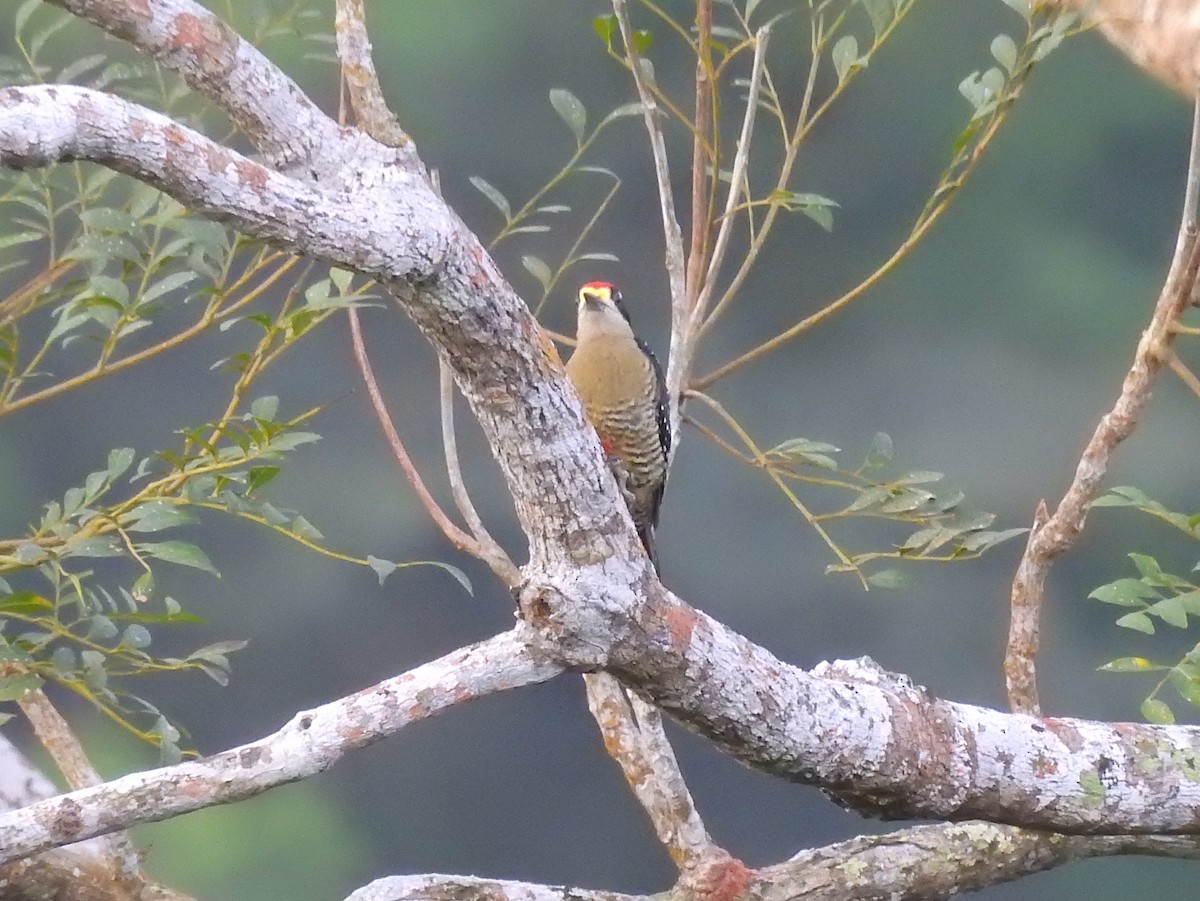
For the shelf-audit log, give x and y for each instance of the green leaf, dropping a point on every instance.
(1004, 51)
(845, 57)
(79, 67)
(881, 451)
(1125, 496)
(606, 27)
(1137, 621)
(1131, 665)
(1170, 611)
(383, 568)
(1157, 712)
(156, 515)
(642, 40)
(101, 628)
(265, 408)
(918, 477)
(25, 603)
(181, 553)
(536, 267)
(1023, 7)
(136, 636)
(1146, 565)
(888, 578)
(459, 575)
(983, 541)
(260, 476)
(99, 546)
(291, 440)
(15, 686)
(572, 111)
(24, 11)
(119, 460)
(302, 528)
(499, 201)
(341, 278)
(1124, 593)
(636, 108)
(167, 284)
(881, 13)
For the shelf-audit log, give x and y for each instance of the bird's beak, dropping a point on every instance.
(592, 302)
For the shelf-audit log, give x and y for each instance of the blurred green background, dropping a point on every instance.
(988, 356)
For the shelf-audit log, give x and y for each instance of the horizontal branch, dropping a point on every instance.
(879, 743)
(940, 861)
(312, 742)
(471, 888)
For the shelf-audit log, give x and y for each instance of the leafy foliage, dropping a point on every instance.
(536, 215)
(1155, 597)
(942, 530)
(105, 274)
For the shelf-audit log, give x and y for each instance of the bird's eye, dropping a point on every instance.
(616, 296)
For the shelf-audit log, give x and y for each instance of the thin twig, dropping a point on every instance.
(702, 128)
(759, 460)
(500, 562)
(1058, 532)
(737, 182)
(634, 738)
(675, 260)
(453, 533)
(358, 71)
(1184, 373)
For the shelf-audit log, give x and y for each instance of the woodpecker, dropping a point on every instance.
(625, 397)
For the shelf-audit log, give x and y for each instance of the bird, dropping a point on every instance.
(625, 398)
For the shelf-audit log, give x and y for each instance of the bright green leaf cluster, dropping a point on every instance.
(1155, 597)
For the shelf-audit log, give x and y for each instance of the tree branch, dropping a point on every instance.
(312, 742)
(267, 105)
(490, 554)
(1054, 535)
(635, 739)
(358, 68)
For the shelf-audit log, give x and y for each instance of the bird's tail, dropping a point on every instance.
(646, 533)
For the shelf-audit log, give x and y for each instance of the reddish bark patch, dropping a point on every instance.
(1065, 732)
(724, 879)
(681, 623)
(1044, 766)
(216, 158)
(207, 40)
(252, 175)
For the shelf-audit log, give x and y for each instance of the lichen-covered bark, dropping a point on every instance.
(589, 599)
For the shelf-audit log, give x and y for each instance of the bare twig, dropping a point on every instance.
(453, 533)
(494, 555)
(1184, 373)
(702, 157)
(634, 737)
(358, 70)
(737, 181)
(1057, 533)
(675, 260)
